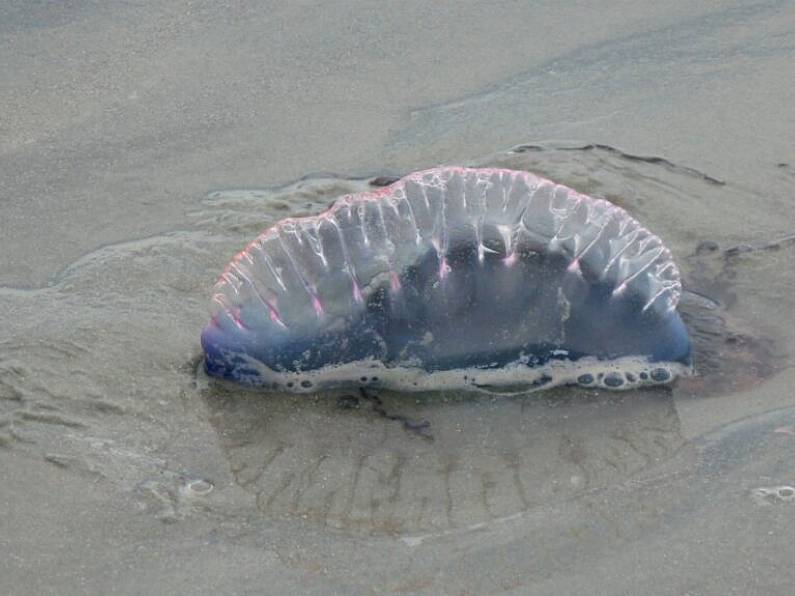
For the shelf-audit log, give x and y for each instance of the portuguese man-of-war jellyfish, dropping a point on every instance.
(451, 278)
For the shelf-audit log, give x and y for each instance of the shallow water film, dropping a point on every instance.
(126, 469)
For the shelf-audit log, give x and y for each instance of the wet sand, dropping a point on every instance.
(126, 471)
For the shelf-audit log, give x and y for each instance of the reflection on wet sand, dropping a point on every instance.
(480, 458)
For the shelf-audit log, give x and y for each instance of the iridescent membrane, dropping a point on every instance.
(452, 278)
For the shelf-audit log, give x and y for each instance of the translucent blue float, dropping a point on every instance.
(451, 278)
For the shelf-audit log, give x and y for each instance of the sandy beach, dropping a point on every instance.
(143, 143)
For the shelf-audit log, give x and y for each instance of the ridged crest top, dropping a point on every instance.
(304, 271)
